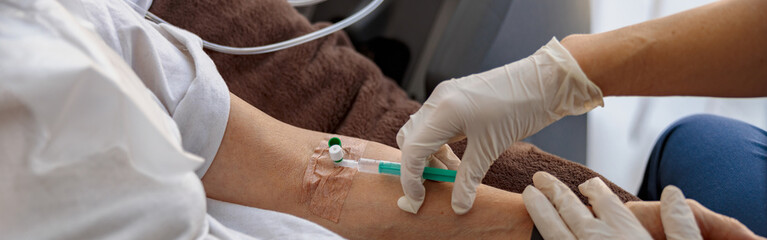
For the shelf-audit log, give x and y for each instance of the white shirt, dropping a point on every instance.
(92, 147)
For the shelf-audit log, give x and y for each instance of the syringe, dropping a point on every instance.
(383, 167)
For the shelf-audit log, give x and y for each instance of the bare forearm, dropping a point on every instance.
(497, 214)
(261, 163)
(715, 50)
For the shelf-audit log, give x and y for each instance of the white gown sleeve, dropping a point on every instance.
(85, 153)
(173, 66)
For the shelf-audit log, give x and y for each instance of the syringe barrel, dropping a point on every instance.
(368, 165)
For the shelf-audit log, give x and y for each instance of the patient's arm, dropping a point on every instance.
(261, 163)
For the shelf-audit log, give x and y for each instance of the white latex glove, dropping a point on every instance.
(493, 110)
(676, 216)
(559, 214)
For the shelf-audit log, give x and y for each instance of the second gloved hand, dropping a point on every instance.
(559, 214)
(493, 110)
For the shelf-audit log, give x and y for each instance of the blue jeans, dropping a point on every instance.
(719, 162)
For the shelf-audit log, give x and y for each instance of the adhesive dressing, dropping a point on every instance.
(325, 186)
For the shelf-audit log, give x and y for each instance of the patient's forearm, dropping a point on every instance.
(261, 163)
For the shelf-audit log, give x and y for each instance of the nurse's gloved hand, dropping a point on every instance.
(493, 110)
(670, 218)
(559, 214)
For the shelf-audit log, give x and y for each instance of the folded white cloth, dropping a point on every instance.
(91, 132)
(266, 224)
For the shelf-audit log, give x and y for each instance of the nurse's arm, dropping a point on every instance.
(261, 163)
(714, 50)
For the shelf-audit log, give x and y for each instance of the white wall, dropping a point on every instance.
(621, 135)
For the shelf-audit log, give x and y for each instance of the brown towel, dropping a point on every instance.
(325, 85)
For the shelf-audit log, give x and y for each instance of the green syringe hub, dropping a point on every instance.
(429, 173)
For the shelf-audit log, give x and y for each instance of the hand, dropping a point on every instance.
(711, 224)
(559, 214)
(568, 218)
(492, 109)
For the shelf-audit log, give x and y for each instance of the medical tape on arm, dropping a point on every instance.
(325, 185)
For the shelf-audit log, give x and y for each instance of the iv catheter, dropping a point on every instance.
(287, 43)
(383, 167)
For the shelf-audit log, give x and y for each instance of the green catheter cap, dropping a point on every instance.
(334, 141)
(336, 153)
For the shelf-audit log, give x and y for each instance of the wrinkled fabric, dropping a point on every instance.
(85, 151)
(173, 66)
(266, 224)
(90, 149)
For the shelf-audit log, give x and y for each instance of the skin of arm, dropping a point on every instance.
(715, 50)
(261, 162)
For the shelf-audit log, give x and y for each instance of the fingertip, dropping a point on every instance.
(462, 202)
(599, 195)
(409, 205)
(671, 192)
(460, 208)
(531, 194)
(672, 198)
(676, 215)
(528, 188)
(464, 192)
(542, 177)
(593, 185)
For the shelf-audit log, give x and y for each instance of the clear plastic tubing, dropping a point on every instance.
(287, 43)
(393, 168)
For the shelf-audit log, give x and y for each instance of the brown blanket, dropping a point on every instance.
(325, 85)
